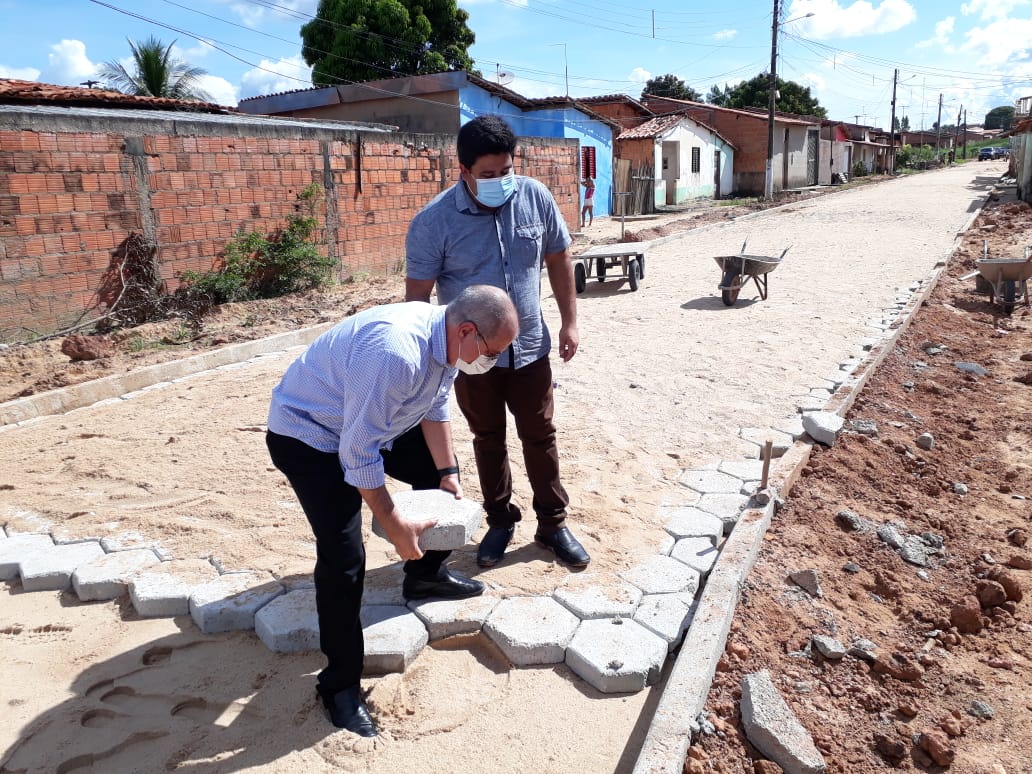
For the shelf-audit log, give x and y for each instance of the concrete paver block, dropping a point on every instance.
(667, 615)
(15, 548)
(726, 507)
(793, 425)
(781, 441)
(448, 617)
(662, 575)
(126, 541)
(531, 630)
(597, 595)
(697, 553)
(691, 522)
(229, 602)
(289, 623)
(823, 426)
(747, 470)
(52, 570)
(383, 586)
(107, 576)
(394, 636)
(457, 520)
(709, 481)
(616, 655)
(774, 730)
(163, 590)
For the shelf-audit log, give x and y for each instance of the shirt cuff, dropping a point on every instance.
(366, 477)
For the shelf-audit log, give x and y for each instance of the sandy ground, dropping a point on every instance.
(665, 379)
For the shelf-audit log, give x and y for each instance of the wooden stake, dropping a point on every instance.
(767, 447)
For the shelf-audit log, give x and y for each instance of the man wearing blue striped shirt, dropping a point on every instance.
(369, 398)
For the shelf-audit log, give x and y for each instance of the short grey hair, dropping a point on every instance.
(486, 306)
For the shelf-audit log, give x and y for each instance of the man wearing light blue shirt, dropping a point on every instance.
(369, 398)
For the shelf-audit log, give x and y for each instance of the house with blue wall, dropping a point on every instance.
(442, 102)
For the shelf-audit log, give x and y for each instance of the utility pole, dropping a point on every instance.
(956, 128)
(938, 128)
(892, 126)
(768, 180)
(965, 133)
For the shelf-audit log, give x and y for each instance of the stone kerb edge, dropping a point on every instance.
(80, 395)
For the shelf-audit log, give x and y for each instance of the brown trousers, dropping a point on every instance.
(527, 393)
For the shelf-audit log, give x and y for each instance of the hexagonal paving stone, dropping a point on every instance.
(616, 655)
(289, 623)
(662, 575)
(531, 630)
(457, 520)
(394, 636)
(164, 590)
(746, 470)
(710, 481)
(691, 522)
(107, 576)
(597, 595)
(15, 548)
(229, 602)
(448, 617)
(667, 615)
(697, 553)
(726, 507)
(51, 570)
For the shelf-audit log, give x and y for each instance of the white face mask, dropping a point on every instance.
(481, 365)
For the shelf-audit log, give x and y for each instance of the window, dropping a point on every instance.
(696, 159)
(587, 162)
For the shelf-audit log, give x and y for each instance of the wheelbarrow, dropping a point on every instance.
(1005, 279)
(737, 270)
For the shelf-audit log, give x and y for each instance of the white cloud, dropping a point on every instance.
(943, 30)
(991, 9)
(816, 82)
(1002, 44)
(271, 77)
(68, 65)
(832, 20)
(221, 91)
(639, 75)
(192, 54)
(253, 15)
(725, 34)
(19, 73)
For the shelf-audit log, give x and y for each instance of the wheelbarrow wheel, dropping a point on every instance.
(729, 287)
(600, 270)
(580, 278)
(729, 296)
(1009, 291)
(633, 274)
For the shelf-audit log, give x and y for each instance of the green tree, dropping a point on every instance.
(792, 97)
(901, 124)
(999, 118)
(155, 73)
(719, 96)
(362, 40)
(670, 85)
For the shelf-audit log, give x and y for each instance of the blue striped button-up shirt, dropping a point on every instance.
(454, 242)
(365, 382)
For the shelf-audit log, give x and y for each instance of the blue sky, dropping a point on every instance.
(976, 54)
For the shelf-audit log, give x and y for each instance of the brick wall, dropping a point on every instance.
(71, 195)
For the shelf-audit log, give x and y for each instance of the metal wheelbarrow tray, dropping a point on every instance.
(1008, 280)
(737, 270)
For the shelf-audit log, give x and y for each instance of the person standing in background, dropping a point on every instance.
(497, 228)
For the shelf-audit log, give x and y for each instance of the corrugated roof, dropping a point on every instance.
(754, 113)
(656, 126)
(16, 91)
(610, 98)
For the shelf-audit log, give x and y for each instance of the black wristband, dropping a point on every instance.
(452, 471)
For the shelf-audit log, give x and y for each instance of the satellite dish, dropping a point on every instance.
(504, 78)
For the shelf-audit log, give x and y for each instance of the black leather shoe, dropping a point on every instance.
(348, 711)
(446, 584)
(567, 548)
(492, 547)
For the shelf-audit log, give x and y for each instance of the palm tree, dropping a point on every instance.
(157, 73)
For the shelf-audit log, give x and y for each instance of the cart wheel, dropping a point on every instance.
(641, 266)
(600, 269)
(633, 274)
(580, 279)
(730, 284)
(729, 296)
(1009, 287)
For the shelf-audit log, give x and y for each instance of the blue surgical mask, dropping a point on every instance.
(496, 191)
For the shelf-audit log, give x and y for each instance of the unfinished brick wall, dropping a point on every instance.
(70, 199)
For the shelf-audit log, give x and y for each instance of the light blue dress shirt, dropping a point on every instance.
(365, 382)
(454, 242)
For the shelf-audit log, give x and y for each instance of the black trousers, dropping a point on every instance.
(334, 511)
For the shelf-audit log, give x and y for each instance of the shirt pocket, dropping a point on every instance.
(526, 247)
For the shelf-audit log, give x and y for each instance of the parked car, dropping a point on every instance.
(986, 154)
(1000, 153)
